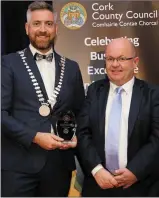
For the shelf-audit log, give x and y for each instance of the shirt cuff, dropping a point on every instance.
(96, 169)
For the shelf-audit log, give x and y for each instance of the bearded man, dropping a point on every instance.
(38, 85)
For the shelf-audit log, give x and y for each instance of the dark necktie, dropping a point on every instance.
(39, 57)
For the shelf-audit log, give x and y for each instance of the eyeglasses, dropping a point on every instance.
(122, 59)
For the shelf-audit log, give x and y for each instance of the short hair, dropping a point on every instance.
(38, 5)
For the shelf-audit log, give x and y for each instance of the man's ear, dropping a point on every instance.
(136, 61)
(26, 28)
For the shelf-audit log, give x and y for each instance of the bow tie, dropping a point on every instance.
(39, 57)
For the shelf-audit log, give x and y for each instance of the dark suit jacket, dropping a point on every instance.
(143, 128)
(20, 117)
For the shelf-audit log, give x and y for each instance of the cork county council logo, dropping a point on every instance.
(73, 15)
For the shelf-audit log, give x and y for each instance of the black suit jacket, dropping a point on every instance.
(143, 128)
(20, 117)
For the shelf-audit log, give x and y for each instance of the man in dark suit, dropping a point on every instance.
(118, 128)
(37, 85)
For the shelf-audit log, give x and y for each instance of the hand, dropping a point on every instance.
(48, 141)
(104, 179)
(125, 178)
(70, 144)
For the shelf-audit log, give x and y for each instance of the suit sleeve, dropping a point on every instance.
(141, 165)
(87, 153)
(11, 127)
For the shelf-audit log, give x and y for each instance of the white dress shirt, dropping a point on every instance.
(126, 101)
(47, 71)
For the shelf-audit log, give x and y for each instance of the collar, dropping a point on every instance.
(127, 87)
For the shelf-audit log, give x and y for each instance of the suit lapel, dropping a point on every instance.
(102, 101)
(58, 68)
(57, 77)
(31, 62)
(135, 105)
(102, 98)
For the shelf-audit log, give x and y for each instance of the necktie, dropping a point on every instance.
(39, 57)
(113, 135)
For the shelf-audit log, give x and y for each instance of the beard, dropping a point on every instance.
(42, 43)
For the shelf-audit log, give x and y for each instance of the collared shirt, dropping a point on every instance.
(47, 71)
(126, 101)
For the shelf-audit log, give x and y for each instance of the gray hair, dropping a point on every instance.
(40, 5)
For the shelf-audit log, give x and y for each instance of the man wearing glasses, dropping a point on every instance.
(118, 129)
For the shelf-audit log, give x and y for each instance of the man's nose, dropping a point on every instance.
(115, 63)
(42, 28)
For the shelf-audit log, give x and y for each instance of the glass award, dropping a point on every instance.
(66, 125)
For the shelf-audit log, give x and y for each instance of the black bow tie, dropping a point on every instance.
(48, 57)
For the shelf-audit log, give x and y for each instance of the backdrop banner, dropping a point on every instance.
(86, 27)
